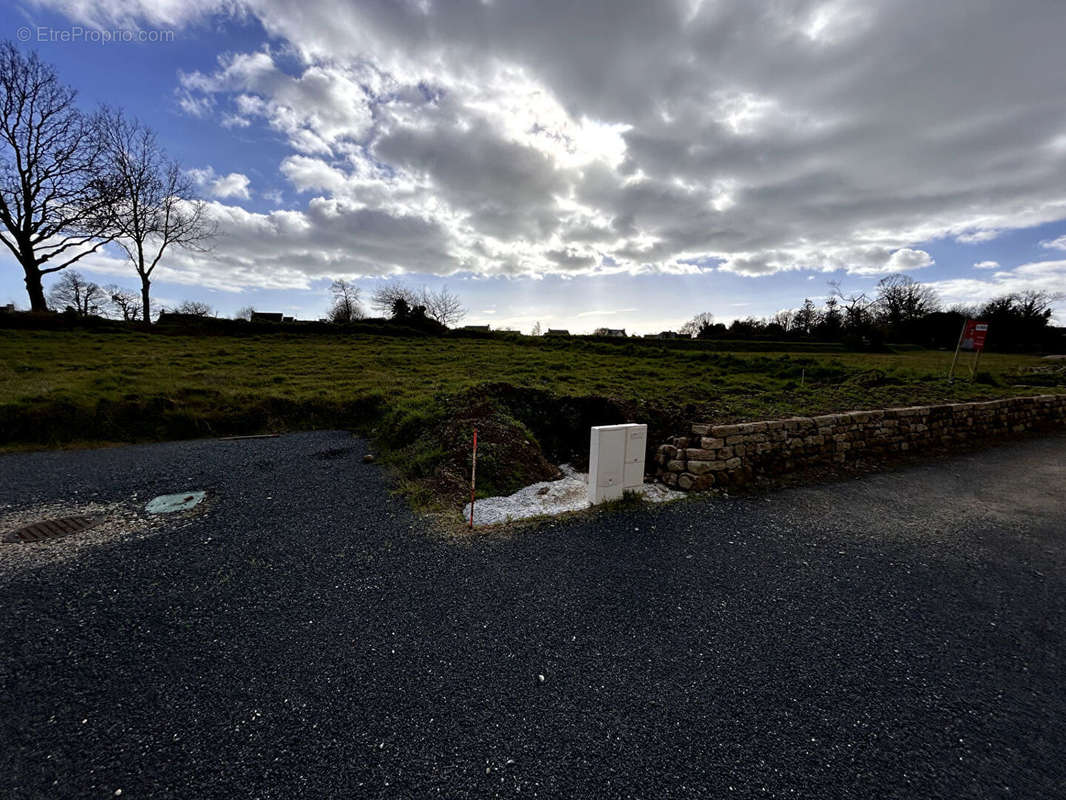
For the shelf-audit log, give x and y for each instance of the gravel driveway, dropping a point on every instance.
(900, 635)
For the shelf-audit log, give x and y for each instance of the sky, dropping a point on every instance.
(614, 164)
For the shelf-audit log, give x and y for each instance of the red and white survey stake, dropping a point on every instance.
(473, 480)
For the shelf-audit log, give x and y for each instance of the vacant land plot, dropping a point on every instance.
(417, 396)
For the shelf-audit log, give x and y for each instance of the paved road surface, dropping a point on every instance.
(901, 635)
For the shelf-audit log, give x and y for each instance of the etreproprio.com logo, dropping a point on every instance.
(77, 33)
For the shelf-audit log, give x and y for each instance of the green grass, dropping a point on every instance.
(290, 381)
(417, 396)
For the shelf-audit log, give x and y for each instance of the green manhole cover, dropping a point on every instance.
(169, 503)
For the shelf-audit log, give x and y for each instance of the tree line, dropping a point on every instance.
(901, 310)
(72, 182)
(399, 302)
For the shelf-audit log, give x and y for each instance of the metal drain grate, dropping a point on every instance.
(50, 529)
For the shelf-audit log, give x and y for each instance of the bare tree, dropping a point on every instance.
(967, 310)
(156, 208)
(443, 306)
(73, 291)
(195, 308)
(123, 303)
(245, 313)
(783, 318)
(346, 302)
(53, 199)
(693, 327)
(384, 298)
(1036, 304)
(900, 298)
(857, 307)
(536, 329)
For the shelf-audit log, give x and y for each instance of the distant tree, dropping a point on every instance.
(782, 320)
(383, 299)
(443, 306)
(536, 329)
(746, 328)
(54, 196)
(805, 318)
(245, 313)
(195, 308)
(901, 299)
(857, 309)
(417, 317)
(156, 208)
(968, 311)
(72, 291)
(831, 323)
(123, 303)
(1034, 305)
(692, 328)
(346, 302)
(1019, 320)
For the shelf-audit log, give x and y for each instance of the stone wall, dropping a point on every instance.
(723, 455)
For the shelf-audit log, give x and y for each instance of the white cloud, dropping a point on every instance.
(525, 139)
(1049, 276)
(232, 185)
(977, 237)
(905, 260)
(1055, 244)
(606, 312)
(986, 265)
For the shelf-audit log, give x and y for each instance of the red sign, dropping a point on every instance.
(973, 335)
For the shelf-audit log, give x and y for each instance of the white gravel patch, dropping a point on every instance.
(569, 493)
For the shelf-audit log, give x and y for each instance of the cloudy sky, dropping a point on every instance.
(594, 163)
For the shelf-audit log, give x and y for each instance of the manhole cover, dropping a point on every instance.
(169, 503)
(50, 529)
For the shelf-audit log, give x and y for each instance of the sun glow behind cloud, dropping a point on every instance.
(697, 138)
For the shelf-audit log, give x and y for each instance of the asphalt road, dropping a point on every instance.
(899, 635)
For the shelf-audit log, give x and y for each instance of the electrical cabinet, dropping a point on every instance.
(616, 460)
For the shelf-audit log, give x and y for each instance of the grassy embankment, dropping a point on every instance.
(418, 397)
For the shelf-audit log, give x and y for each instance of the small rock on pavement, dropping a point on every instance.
(368, 458)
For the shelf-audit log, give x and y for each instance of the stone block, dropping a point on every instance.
(703, 467)
(702, 455)
(723, 431)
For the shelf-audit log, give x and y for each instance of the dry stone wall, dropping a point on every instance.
(723, 455)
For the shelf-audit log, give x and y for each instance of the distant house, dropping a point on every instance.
(482, 328)
(661, 335)
(8, 309)
(618, 333)
(557, 332)
(264, 316)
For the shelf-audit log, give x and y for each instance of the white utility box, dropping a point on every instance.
(616, 460)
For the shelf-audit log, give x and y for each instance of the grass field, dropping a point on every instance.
(59, 387)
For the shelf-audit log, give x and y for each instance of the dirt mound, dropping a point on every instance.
(522, 434)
